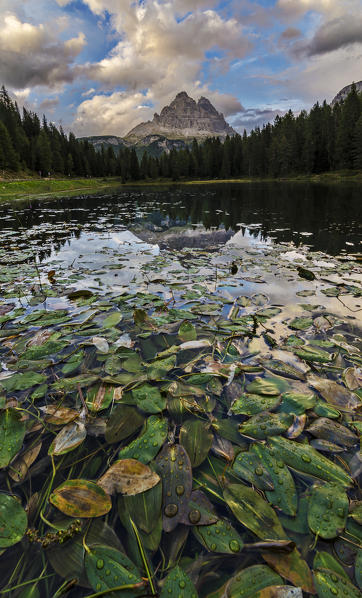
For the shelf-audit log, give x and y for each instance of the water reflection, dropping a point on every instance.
(324, 217)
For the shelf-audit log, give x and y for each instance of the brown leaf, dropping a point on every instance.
(129, 477)
(20, 467)
(293, 568)
(59, 415)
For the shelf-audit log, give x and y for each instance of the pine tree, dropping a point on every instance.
(8, 156)
(357, 145)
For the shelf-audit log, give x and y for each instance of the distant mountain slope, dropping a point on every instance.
(106, 140)
(184, 119)
(341, 95)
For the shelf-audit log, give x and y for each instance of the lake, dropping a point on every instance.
(180, 390)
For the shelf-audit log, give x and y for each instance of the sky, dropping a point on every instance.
(100, 67)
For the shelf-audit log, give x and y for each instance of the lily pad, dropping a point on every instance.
(13, 521)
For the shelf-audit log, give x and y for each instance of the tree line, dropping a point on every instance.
(328, 138)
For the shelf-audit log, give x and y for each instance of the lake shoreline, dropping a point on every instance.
(49, 188)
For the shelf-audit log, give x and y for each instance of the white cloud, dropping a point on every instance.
(31, 55)
(88, 92)
(162, 53)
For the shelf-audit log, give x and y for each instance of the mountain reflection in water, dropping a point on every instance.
(324, 217)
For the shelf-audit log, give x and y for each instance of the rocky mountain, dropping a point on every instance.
(106, 140)
(184, 118)
(341, 95)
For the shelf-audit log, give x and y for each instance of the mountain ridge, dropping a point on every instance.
(184, 118)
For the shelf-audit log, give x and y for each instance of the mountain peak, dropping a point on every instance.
(185, 118)
(341, 95)
(182, 94)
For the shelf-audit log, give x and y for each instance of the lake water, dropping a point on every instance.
(325, 218)
(225, 319)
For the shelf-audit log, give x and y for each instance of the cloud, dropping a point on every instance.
(113, 114)
(31, 55)
(254, 117)
(118, 113)
(332, 35)
(49, 104)
(88, 92)
(290, 33)
(159, 53)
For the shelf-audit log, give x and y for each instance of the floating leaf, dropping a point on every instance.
(57, 415)
(251, 404)
(304, 458)
(187, 332)
(248, 466)
(301, 323)
(22, 381)
(313, 354)
(297, 403)
(283, 369)
(267, 386)
(144, 508)
(334, 393)
(199, 510)
(328, 583)
(99, 397)
(112, 320)
(266, 424)
(328, 510)
(81, 498)
(219, 537)
(147, 445)
(178, 585)
(284, 495)
(12, 432)
(253, 512)
(108, 568)
(292, 567)
(196, 437)
(148, 398)
(101, 344)
(13, 521)
(326, 429)
(249, 581)
(128, 476)
(174, 467)
(124, 421)
(324, 560)
(304, 273)
(20, 467)
(68, 438)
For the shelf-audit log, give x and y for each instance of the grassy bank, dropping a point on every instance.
(27, 188)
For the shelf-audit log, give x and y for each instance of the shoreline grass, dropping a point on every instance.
(33, 188)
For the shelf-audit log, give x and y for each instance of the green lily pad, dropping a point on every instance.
(13, 521)
(178, 585)
(254, 512)
(12, 432)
